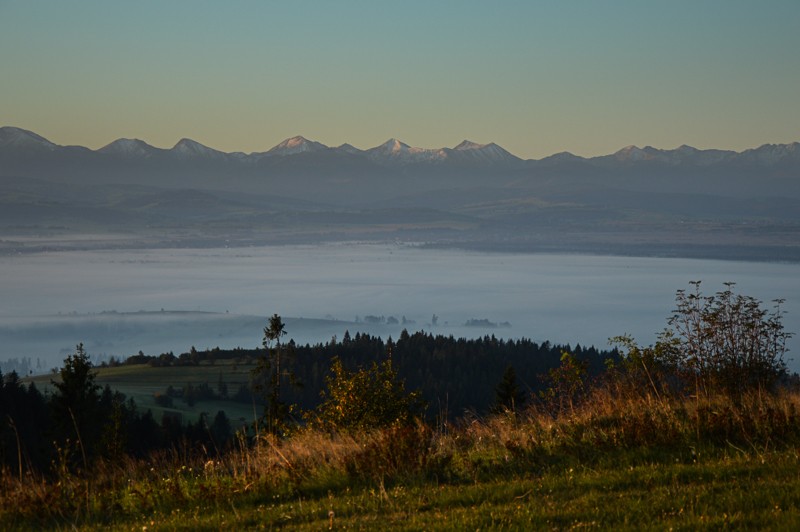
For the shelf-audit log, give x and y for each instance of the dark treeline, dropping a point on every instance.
(453, 374)
(41, 430)
(76, 424)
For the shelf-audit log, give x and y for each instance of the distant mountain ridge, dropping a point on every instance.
(394, 151)
(391, 152)
(683, 201)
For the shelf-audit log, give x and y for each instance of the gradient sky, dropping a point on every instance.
(537, 77)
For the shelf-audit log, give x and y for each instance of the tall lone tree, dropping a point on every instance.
(271, 370)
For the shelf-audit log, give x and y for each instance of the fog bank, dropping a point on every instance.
(120, 302)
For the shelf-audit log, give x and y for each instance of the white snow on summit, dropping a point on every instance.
(394, 151)
(468, 151)
(295, 145)
(14, 137)
(469, 145)
(770, 154)
(349, 148)
(394, 146)
(129, 148)
(631, 153)
(190, 148)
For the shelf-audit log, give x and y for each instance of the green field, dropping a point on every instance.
(142, 383)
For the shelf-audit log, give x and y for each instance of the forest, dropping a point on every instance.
(453, 376)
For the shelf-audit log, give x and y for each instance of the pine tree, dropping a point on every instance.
(509, 397)
(76, 400)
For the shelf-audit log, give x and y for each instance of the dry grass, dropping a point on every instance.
(314, 463)
(604, 421)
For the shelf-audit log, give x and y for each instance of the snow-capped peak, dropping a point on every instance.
(562, 157)
(686, 149)
(770, 154)
(14, 137)
(294, 145)
(469, 152)
(469, 145)
(191, 148)
(393, 146)
(395, 152)
(631, 153)
(129, 148)
(348, 148)
(632, 148)
(188, 144)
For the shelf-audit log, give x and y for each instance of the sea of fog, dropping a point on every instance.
(120, 302)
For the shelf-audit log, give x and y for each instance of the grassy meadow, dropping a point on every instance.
(613, 462)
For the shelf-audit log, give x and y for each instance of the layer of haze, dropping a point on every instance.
(560, 298)
(535, 77)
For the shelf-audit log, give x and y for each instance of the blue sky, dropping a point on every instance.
(537, 77)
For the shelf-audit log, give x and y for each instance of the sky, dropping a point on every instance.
(536, 77)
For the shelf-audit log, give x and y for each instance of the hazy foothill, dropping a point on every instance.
(637, 201)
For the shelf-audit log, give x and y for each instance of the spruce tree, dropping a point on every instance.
(509, 397)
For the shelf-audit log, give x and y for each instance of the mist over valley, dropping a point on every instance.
(118, 302)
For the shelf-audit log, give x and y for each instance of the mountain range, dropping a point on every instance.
(682, 201)
(22, 143)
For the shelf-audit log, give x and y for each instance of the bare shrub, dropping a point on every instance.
(725, 342)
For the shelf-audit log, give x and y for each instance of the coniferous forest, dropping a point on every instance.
(453, 375)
